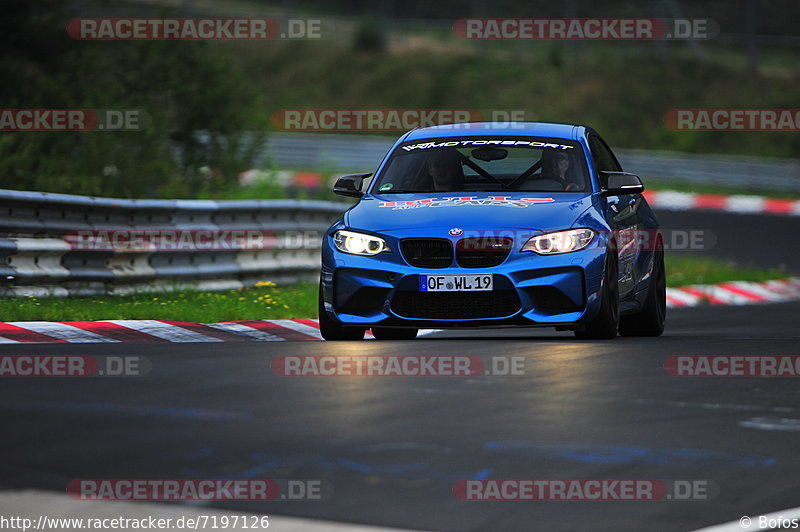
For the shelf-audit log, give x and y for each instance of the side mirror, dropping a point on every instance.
(618, 183)
(350, 185)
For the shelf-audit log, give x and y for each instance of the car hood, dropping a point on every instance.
(521, 210)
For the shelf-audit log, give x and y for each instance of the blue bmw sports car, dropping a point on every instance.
(477, 225)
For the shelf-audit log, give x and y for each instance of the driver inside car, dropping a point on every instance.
(556, 167)
(445, 169)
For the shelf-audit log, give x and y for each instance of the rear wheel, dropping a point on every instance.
(650, 320)
(604, 325)
(385, 333)
(331, 329)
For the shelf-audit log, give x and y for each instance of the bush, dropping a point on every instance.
(185, 87)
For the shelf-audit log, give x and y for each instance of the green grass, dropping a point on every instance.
(682, 271)
(264, 302)
(291, 301)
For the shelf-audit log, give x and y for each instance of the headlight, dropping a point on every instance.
(359, 243)
(559, 242)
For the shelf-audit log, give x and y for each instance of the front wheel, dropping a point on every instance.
(331, 329)
(650, 320)
(385, 333)
(604, 325)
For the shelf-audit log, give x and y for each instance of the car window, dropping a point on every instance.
(603, 157)
(485, 164)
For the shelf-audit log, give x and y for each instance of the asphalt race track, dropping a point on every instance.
(392, 448)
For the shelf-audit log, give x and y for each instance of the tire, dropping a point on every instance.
(650, 320)
(604, 326)
(331, 329)
(384, 333)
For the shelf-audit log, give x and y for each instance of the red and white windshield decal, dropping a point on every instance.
(458, 201)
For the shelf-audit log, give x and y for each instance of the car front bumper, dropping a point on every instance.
(530, 290)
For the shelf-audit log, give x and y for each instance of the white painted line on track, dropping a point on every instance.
(781, 424)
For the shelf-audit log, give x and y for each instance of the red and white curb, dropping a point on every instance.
(155, 331)
(734, 293)
(739, 204)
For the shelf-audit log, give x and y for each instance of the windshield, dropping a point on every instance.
(485, 164)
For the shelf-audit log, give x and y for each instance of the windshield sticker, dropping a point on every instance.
(458, 201)
(386, 186)
(482, 142)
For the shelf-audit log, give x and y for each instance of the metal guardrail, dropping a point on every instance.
(363, 153)
(60, 245)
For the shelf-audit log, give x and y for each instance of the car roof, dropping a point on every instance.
(536, 129)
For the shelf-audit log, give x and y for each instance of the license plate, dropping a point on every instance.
(456, 283)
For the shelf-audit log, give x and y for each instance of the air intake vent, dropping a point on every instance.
(482, 252)
(427, 252)
(456, 305)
